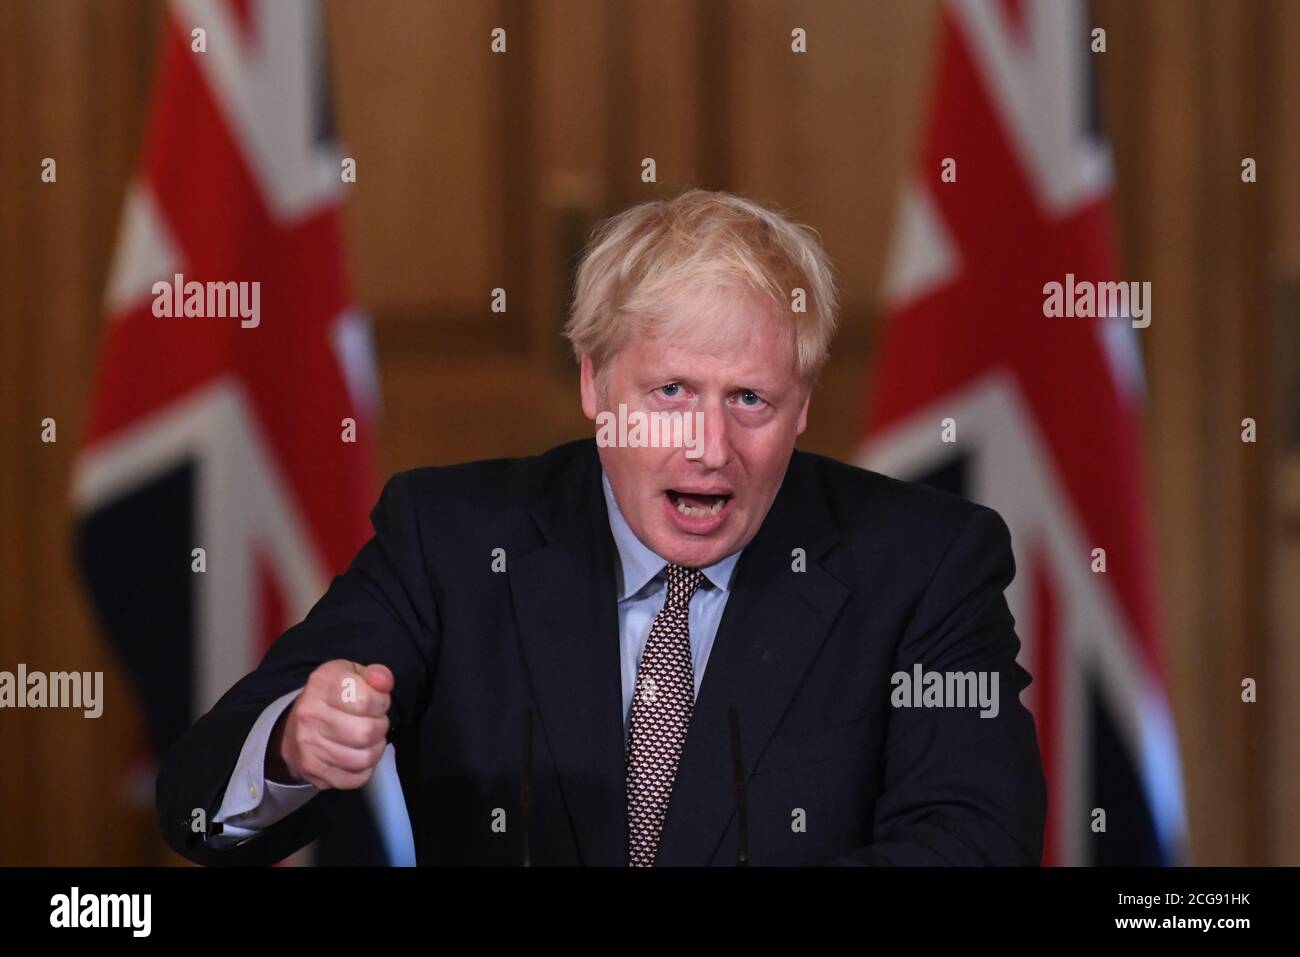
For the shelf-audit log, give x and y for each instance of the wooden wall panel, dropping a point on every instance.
(832, 132)
(663, 94)
(73, 91)
(15, 437)
(1182, 87)
(1235, 319)
(420, 98)
(572, 154)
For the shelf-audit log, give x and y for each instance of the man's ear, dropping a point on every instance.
(803, 414)
(587, 379)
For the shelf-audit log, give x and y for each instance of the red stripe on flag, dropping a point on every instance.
(991, 318)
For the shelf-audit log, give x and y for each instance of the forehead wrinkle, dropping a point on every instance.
(739, 331)
(732, 337)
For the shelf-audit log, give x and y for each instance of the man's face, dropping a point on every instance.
(695, 511)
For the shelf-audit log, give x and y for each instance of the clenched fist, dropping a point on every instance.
(335, 732)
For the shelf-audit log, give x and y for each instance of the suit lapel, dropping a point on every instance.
(566, 612)
(775, 621)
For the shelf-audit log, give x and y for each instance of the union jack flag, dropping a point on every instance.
(977, 391)
(230, 436)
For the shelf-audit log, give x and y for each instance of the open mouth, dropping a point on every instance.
(698, 504)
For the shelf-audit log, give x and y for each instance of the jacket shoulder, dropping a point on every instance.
(482, 501)
(867, 503)
(489, 482)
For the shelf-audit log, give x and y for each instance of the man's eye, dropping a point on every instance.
(670, 390)
(750, 399)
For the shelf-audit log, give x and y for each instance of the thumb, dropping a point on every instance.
(379, 678)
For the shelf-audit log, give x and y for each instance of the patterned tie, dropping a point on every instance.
(661, 711)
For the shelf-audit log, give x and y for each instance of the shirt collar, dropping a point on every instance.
(639, 565)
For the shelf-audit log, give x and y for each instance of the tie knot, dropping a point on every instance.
(682, 583)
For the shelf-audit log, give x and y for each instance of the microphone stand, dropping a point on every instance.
(738, 778)
(526, 789)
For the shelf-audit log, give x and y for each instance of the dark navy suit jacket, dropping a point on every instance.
(894, 575)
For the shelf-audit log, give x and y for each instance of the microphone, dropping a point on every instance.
(526, 789)
(738, 778)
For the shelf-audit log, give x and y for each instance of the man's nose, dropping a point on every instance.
(715, 438)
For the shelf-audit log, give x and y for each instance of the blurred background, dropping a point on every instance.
(477, 171)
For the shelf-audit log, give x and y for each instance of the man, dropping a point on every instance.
(630, 621)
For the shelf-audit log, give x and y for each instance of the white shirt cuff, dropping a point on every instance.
(251, 802)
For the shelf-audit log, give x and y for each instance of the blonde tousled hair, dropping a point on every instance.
(645, 260)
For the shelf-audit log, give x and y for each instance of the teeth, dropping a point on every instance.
(691, 512)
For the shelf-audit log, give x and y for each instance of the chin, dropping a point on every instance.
(693, 554)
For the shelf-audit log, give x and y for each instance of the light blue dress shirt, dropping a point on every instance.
(640, 583)
(252, 803)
